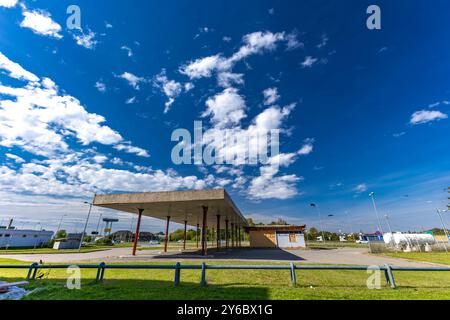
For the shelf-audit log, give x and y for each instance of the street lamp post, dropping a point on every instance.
(60, 222)
(38, 237)
(349, 222)
(439, 212)
(372, 196)
(85, 225)
(320, 220)
(98, 223)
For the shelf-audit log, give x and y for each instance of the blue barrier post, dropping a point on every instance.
(203, 275)
(177, 274)
(390, 275)
(293, 275)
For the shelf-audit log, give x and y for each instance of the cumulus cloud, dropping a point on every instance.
(131, 149)
(361, 188)
(8, 3)
(226, 108)
(41, 23)
(39, 119)
(424, 116)
(100, 86)
(14, 157)
(132, 79)
(309, 61)
(171, 88)
(253, 43)
(270, 96)
(86, 40)
(15, 70)
(128, 50)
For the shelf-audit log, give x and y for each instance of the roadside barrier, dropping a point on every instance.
(388, 269)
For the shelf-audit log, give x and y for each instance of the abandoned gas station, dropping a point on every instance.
(203, 209)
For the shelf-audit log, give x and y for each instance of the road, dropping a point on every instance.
(351, 256)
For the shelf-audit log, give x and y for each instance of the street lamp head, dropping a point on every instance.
(371, 194)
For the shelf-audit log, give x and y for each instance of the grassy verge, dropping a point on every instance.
(334, 245)
(84, 249)
(433, 257)
(232, 284)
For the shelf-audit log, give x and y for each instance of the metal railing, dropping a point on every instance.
(388, 269)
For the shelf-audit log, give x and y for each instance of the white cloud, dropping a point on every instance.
(324, 42)
(85, 40)
(267, 186)
(8, 3)
(361, 188)
(15, 70)
(132, 79)
(131, 149)
(38, 119)
(437, 104)
(307, 148)
(14, 157)
(253, 43)
(204, 67)
(309, 61)
(270, 96)
(41, 23)
(170, 88)
(292, 41)
(424, 116)
(228, 79)
(100, 86)
(226, 108)
(130, 100)
(128, 50)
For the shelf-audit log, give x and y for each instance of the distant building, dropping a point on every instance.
(277, 236)
(14, 238)
(72, 241)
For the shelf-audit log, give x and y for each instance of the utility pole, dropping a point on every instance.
(85, 225)
(439, 212)
(372, 195)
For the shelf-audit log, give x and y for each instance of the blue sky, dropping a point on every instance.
(93, 109)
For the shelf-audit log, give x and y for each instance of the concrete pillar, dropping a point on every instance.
(138, 226)
(166, 241)
(185, 231)
(197, 234)
(204, 242)
(227, 236)
(239, 237)
(218, 232)
(232, 235)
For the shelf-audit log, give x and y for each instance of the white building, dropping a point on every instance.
(13, 238)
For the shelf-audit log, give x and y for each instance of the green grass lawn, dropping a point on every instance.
(84, 249)
(334, 245)
(433, 257)
(232, 284)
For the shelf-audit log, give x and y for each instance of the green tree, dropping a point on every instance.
(61, 234)
(279, 222)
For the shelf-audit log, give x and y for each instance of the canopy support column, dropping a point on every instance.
(185, 231)
(232, 235)
(166, 241)
(226, 234)
(197, 234)
(204, 243)
(218, 232)
(138, 226)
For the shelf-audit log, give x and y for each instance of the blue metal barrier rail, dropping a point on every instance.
(388, 269)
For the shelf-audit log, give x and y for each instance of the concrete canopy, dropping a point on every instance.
(181, 206)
